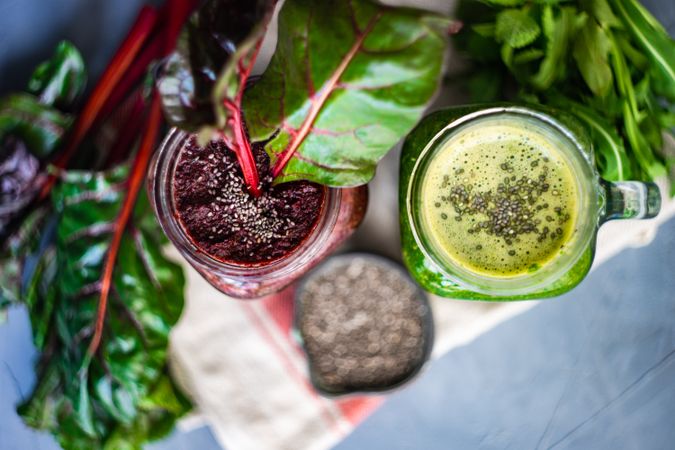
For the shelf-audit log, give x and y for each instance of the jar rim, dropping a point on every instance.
(588, 207)
(160, 184)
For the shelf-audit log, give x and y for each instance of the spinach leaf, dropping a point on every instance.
(559, 30)
(122, 391)
(591, 52)
(654, 42)
(347, 81)
(516, 28)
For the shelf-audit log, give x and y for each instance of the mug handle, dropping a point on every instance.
(630, 200)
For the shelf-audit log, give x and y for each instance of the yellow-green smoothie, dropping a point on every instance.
(499, 199)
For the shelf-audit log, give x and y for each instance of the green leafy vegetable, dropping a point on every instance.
(601, 11)
(60, 80)
(516, 28)
(204, 80)
(506, 2)
(612, 160)
(88, 265)
(123, 390)
(21, 258)
(485, 86)
(591, 52)
(37, 117)
(558, 29)
(607, 62)
(347, 81)
(228, 96)
(40, 126)
(652, 38)
(208, 42)
(31, 130)
(527, 55)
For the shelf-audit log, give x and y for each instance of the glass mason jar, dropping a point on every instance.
(597, 202)
(342, 212)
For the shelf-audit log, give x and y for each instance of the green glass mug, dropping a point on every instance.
(596, 201)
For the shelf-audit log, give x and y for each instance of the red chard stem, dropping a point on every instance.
(162, 42)
(120, 63)
(319, 99)
(242, 148)
(133, 76)
(134, 184)
(128, 132)
(240, 143)
(177, 12)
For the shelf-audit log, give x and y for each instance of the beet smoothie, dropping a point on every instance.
(216, 210)
(246, 247)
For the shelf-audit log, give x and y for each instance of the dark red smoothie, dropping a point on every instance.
(226, 222)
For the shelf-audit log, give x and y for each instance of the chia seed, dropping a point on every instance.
(228, 223)
(365, 325)
(511, 209)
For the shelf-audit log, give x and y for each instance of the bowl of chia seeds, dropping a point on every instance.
(364, 325)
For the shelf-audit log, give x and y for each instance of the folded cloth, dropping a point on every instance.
(253, 385)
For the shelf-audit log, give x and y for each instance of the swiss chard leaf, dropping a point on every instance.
(228, 98)
(61, 79)
(32, 128)
(158, 416)
(217, 31)
(18, 169)
(347, 81)
(205, 78)
(38, 125)
(22, 257)
(123, 390)
(29, 131)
